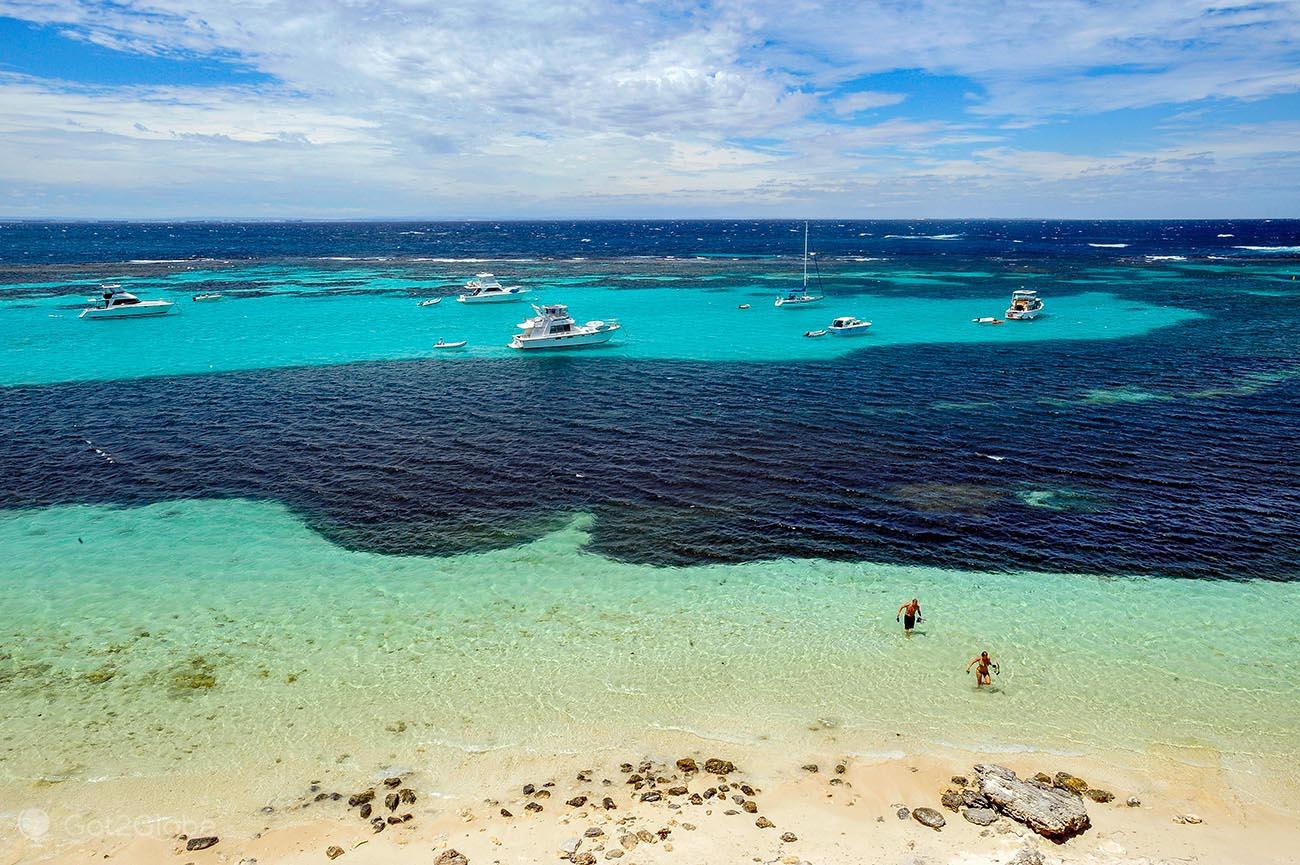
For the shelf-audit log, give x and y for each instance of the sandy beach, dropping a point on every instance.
(768, 808)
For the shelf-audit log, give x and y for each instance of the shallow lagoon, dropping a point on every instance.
(319, 317)
(226, 633)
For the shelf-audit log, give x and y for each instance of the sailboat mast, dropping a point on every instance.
(805, 257)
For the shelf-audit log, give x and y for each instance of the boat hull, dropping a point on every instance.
(136, 310)
(493, 297)
(575, 340)
(795, 303)
(849, 331)
(1023, 314)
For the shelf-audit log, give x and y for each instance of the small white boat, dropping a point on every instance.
(1025, 305)
(553, 327)
(433, 301)
(122, 304)
(847, 325)
(800, 297)
(743, 306)
(988, 319)
(442, 343)
(813, 334)
(205, 298)
(485, 288)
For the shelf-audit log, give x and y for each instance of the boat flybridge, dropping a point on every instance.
(122, 304)
(796, 297)
(1025, 305)
(484, 288)
(847, 325)
(553, 327)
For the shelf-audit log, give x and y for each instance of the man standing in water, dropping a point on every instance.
(982, 671)
(910, 614)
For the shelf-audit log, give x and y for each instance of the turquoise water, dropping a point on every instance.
(310, 320)
(115, 618)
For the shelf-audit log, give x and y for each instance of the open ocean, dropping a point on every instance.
(274, 484)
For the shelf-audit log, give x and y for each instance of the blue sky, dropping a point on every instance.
(592, 108)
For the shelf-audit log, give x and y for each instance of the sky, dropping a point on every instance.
(461, 109)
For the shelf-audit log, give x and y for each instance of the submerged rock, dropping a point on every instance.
(451, 857)
(365, 811)
(789, 837)
(533, 806)
(717, 766)
(201, 843)
(333, 852)
(392, 782)
(391, 801)
(360, 798)
(688, 764)
(1050, 811)
(952, 800)
(929, 817)
(812, 767)
(577, 801)
(651, 796)
(1097, 795)
(903, 813)
(1134, 802)
(764, 823)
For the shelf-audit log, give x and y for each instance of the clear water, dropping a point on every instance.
(545, 645)
(279, 535)
(377, 317)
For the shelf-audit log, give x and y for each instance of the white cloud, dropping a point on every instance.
(450, 107)
(864, 100)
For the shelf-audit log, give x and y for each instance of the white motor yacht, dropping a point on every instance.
(798, 297)
(1025, 305)
(484, 288)
(122, 304)
(553, 327)
(847, 325)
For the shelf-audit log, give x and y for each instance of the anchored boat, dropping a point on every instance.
(123, 304)
(800, 297)
(1025, 305)
(484, 288)
(553, 327)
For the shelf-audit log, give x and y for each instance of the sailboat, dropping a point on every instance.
(800, 297)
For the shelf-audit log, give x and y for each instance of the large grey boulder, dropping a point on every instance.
(1050, 811)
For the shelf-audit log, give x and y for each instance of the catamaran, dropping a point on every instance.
(800, 297)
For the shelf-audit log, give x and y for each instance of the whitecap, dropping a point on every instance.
(1289, 250)
(1166, 258)
(922, 236)
(1109, 245)
(1223, 235)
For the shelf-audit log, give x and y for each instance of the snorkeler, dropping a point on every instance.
(910, 614)
(982, 672)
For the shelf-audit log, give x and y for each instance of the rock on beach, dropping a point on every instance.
(1050, 811)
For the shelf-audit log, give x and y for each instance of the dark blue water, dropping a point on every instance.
(883, 456)
(79, 242)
